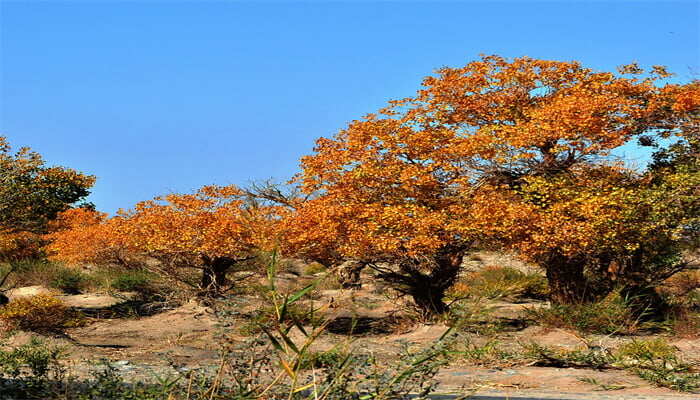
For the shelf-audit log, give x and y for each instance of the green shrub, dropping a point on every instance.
(314, 268)
(656, 361)
(133, 281)
(487, 354)
(69, 280)
(322, 359)
(34, 359)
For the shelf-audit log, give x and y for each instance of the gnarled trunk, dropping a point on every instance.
(429, 295)
(349, 274)
(214, 274)
(567, 282)
(427, 289)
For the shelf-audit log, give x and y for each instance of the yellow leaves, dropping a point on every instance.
(38, 313)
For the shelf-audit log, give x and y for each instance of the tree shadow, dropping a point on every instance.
(134, 308)
(369, 326)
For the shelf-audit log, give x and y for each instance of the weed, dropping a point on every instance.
(314, 268)
(132, 281)
(612, 315)
(602, 386)
(329, 281)
(657, 362)
(262, 318)
(652, 360)
(488, 353)
(682, 287)
(497, 282)
(69, 280)
(591, 357)
(474, 316)
(33, 359)
(346, 374)
(323, 359)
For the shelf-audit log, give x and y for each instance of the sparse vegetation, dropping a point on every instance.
(510, 156)
(495, 282)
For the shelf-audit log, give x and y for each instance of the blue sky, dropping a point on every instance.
(156, 97)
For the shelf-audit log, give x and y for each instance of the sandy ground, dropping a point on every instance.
(185, 338)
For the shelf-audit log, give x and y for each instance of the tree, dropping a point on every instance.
(31, 195)
(212, 230)
(511, 153)
(598, 224)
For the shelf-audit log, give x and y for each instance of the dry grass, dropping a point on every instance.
(612, 315)
(500, 282)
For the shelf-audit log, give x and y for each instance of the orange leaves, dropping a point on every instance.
(504, 151)
(525, 105)
(687, 99)
(213, 222)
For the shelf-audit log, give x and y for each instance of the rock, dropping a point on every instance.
(27, 291)
(92, 300)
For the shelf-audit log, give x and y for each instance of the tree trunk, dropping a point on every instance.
(429, 296)
(428, 290)
(567, 282)
(214, 275)
(349, 274)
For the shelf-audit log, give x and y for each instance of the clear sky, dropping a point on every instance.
(155, 97)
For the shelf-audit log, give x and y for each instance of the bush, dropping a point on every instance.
(39, 313)
(314, 268)
(70, 281)
(656, 361)
(473, 317)
(268, 315)
(133, 281)
(682, 288)
(496, 282)
(612, 315)
(330, 281)
(45, 273)
(33, 359)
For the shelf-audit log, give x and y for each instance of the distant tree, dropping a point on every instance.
(31, 195)
(507, 153)
(212, 230)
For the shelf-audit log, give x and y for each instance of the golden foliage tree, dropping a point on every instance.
(212, 230)
(512, 153)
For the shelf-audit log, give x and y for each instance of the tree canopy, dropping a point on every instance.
(211, 229)
(31, 195)
(512, 153)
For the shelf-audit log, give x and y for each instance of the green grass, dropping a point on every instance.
(133, 281)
